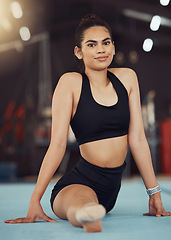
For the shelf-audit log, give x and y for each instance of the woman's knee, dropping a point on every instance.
(72, 196)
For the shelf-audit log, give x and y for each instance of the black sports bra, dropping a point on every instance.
(93, 121)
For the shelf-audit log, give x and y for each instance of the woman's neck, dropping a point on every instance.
(97, 78)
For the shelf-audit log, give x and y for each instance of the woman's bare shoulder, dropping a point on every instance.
(126, 75)
(70, 77)
(123, 72)
(69, 81)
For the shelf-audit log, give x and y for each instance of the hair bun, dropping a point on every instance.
(90, 17)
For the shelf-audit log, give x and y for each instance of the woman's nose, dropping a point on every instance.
(100, 48)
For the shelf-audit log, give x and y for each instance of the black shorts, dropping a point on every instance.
(105, 182)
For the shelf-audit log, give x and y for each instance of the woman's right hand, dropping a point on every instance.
(35, 213)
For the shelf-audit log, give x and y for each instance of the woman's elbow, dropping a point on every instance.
(59, 143)
(136, 139)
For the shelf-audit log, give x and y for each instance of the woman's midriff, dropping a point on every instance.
(108, 153)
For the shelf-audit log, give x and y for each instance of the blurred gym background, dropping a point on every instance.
(36, 48)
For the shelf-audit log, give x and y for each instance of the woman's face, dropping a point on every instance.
(97, 48)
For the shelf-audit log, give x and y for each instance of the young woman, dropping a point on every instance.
(103, 107)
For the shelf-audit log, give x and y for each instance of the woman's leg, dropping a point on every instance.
(76, 202)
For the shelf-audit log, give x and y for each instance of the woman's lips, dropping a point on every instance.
(101, 58)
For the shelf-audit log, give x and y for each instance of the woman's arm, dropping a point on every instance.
(136, 136)
(61, 115)
(140, 148)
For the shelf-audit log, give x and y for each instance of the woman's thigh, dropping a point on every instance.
(73, 195)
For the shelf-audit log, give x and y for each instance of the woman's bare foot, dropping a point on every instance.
(90, 217)
(91, 227)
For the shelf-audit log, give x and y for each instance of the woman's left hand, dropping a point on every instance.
(156, 207)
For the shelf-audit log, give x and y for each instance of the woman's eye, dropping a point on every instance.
(107, 43)
(91, 45)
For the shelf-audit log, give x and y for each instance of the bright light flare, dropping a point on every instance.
(164, 2)
(5, 23)
(155, 23)
(147, 45)
(16, 10)
(25, 33)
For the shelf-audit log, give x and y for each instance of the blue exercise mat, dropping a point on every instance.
(125, 221)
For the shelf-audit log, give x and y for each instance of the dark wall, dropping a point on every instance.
(154, 72)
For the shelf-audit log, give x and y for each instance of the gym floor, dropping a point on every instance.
(125, 221)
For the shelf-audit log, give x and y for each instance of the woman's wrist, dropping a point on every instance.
(35, 197)
(152, 191)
